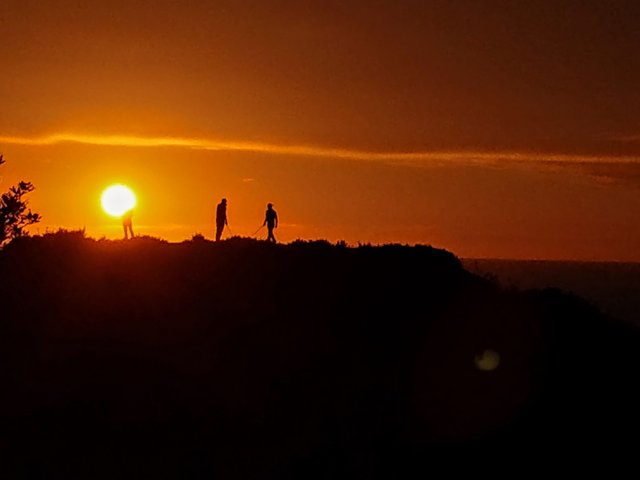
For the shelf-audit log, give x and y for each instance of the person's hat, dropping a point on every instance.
(269, 204)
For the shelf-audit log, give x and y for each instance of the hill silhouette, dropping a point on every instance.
(245, 359)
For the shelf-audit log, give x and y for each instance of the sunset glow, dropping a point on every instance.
(487, 130)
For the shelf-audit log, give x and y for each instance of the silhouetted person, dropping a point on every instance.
(221, 218)
(127, 225)
(271, 221)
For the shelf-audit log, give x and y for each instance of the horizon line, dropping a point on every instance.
(354, 244)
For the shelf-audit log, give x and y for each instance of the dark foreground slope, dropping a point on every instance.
(613, 286)
(243, 359)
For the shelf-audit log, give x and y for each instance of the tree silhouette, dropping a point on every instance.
(14, 215)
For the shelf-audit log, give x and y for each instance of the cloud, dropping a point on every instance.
(626, 138)
(604, 168)
(613, 173)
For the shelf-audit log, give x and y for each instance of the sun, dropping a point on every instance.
(118, 199)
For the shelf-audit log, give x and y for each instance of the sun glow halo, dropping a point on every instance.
(118, 199)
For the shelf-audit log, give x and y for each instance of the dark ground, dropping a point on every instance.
(614, 287)
(243, 359)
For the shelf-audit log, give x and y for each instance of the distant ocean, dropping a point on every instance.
(613, 287)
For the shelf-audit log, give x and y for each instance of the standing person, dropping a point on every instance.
(127, 224)
(271, 221)
(221, 218)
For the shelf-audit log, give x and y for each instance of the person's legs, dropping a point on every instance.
(219, 229)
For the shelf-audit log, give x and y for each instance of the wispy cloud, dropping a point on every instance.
(415, 158)
(626, 138)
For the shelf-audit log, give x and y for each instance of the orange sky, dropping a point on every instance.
(491, 130)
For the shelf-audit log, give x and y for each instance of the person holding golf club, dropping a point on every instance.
(271, 221)
(221, 218)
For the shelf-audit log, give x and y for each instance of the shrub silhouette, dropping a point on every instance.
(14, 215)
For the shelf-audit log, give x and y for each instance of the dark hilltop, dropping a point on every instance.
(244, 359)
